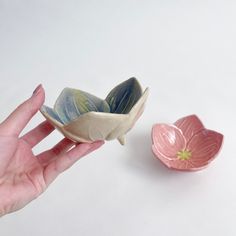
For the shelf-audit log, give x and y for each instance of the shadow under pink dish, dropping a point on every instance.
(186, 145)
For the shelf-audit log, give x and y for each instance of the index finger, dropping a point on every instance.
(19, 118)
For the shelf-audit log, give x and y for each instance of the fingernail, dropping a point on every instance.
(91, 146)
(97, 144)
(86, 146)
(37, 90)
(100, 142)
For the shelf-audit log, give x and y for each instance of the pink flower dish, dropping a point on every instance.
(186, 145)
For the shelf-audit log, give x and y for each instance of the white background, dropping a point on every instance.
(185, 51)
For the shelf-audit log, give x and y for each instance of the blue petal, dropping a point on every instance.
(50, 112)
(72, 103)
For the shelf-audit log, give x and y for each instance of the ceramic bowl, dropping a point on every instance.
(83, 117)
(186, 145)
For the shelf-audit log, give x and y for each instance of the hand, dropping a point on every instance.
(24, 176)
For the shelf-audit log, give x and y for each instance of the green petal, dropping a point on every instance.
(124, 96)
(87, 102)
(72, 103)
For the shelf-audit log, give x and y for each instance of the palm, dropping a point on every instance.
(24, 176)
(21, 174)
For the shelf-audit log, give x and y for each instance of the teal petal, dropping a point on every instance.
(72, 103)
(124, 96)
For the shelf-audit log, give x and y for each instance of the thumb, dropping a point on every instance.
(19, 118)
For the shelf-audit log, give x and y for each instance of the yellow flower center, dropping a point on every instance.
(184, 155)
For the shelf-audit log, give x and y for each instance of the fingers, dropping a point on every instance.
(37, 134)
(66, 160)
(19, 118)
(50, 155)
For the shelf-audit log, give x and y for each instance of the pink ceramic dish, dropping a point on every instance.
(187, 145)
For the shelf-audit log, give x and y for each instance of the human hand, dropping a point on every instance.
(24, 176)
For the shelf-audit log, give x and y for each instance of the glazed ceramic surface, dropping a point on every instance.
(83, 117)
(186, 145)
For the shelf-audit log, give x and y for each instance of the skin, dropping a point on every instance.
(23, 175)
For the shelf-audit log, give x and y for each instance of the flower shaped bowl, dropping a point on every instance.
(83, 117)
(187, 145)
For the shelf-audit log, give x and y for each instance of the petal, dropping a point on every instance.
(204, 146)
(168, 140)
(123, 97)
(87, 102)
(93, 126)
(72, 103)
(164, 159)
(189, 125)
(175, 164)
(138, 108)
(49, 112)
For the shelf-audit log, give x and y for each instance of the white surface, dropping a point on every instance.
(185, 51)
